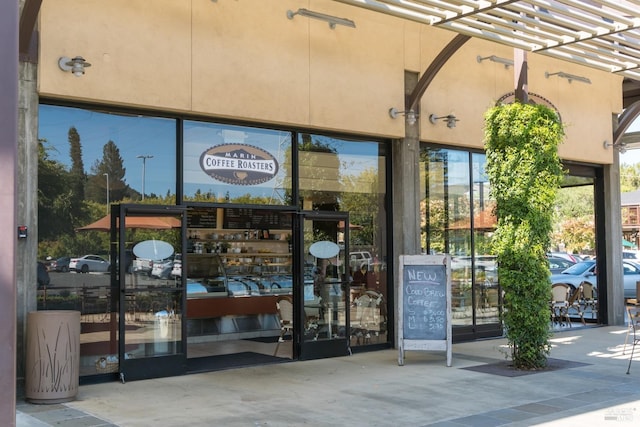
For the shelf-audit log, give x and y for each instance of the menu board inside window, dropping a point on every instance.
(250, 218)
(202, 218)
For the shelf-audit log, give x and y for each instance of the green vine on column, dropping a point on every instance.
(525, 172)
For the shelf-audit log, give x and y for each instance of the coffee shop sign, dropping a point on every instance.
(239, 164)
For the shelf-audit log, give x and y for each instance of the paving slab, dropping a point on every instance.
(587, 387)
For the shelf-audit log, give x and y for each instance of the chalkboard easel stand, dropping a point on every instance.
(424, 304)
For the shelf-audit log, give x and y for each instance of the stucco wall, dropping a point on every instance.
(246, 60)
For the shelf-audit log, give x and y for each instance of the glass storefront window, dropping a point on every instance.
(236, 164)
(458, 220)
(350, 176)
(91, 159)
(136, 152)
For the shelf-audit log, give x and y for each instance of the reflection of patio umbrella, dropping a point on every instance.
(149, 222)
(483, 220)
(351, 226)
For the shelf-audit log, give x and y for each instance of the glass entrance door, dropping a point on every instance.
(323, 305)
(151, 299)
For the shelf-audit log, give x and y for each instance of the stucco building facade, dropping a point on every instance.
(203, 74)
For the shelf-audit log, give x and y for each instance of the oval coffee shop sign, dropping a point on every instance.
(239, 164)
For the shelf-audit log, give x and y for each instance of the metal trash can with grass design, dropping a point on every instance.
(53, 356)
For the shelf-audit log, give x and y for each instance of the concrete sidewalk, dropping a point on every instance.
(587, 387)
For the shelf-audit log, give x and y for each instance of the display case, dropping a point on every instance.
(247, 262)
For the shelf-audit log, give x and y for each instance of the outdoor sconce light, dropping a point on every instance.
(410, 115)
(75, 65)
(620, 146)
(506, 62)
(568, 76)
(450, 119)
(332, 20)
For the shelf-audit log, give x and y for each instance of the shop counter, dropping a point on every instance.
(207, 307)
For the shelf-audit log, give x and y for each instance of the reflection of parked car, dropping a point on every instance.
(162, 268)
(564, 255)
(176, 269)
(486, 270)
(61, 264)
(356, 259)
(43, 275)
(631, 255)
(558, 265)
(89, 263)
(585, 271)
(142, 266)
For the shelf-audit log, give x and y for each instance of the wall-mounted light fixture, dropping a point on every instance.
(506, 62)
(570, 77)
(410, 115)
(76, 65)
(332, 20)
(450, 119)
(620, 146)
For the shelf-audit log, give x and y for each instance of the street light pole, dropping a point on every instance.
(144, 165)
(107, 175)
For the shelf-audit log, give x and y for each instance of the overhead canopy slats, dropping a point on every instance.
(601, 34)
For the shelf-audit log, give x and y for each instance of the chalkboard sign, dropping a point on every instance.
(424, 293)
(425, 302)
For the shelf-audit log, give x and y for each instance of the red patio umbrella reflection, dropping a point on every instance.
(148, 222)
(351, 226)
(483, 220)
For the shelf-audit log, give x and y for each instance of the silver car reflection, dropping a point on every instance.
(585, 271)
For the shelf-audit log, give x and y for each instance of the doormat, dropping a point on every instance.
(505, 368)
(230, 361)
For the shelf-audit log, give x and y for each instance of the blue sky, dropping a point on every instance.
(133, 135)
(631, 157)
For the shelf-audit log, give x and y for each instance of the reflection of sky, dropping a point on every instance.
(631, 157)
(151, 136)
(133, 135)
(199, 137)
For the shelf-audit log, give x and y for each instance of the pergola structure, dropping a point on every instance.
(600, 34)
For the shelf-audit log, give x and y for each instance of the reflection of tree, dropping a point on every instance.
(55, 214)
(77, 176)
(434, 229)
(361, 199)
(204, 196)
(629, 177)
(574, 219)
(111, 164)
(319, 174)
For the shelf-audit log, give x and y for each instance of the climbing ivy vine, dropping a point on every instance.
(524, 170)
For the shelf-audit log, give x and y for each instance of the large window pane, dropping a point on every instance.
(138, 153)
(224, 163)
(350, 176)
(458, 220)
(88, 160)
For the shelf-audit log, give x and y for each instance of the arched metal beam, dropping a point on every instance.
(626, 118)
(26, 30)
(432, 70)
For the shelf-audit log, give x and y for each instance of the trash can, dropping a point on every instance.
(52, 356)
